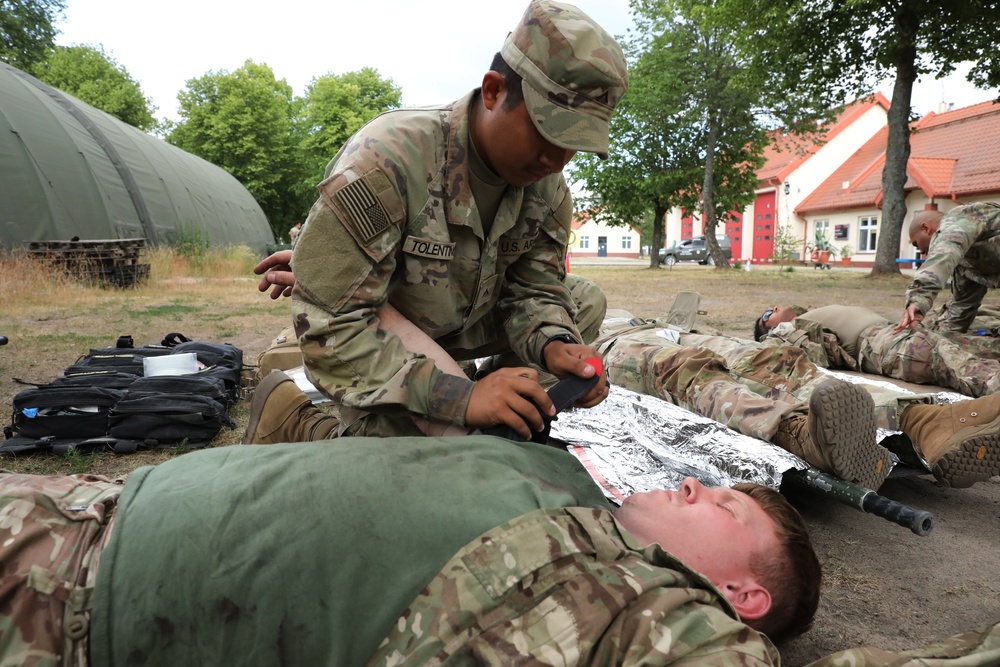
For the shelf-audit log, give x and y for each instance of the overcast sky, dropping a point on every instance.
(435, 51)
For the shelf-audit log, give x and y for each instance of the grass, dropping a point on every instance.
(50, 320)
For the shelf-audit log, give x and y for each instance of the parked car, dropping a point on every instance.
(694, 250)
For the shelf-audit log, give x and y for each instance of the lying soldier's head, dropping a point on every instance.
(772, 317)
(747, 540)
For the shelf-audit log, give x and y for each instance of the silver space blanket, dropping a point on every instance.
(633, 442)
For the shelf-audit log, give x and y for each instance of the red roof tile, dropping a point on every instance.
(951, 154)
(786, 152)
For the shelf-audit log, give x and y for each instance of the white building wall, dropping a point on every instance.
(621, 241)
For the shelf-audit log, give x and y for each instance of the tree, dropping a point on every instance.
(334, 108)
(26, 30)
(686, 133)
(243, 121)
(836, 50)
(88, 73)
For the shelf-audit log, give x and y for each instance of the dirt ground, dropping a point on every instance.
(883, 586)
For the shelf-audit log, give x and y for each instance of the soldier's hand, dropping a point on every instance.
(510, 396)
(565, 359)
(911, 318)
(277, 271)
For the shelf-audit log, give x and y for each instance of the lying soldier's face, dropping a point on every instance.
(714, 530)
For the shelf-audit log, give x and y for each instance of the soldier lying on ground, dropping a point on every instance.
(776, 393)
(393, 551)
(856, 338)
(348, 553)
(458, 217)
(963, 247)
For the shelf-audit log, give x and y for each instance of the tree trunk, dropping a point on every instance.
(707, 199)
(659, 234)
(897, 152)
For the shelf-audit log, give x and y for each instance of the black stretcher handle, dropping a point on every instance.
(919, 521)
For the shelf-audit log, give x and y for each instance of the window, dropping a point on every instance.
(584, 242)
(867, 234)
(626, 243)
(823, 229)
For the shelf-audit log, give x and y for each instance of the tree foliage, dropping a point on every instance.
(687, 132)
(837, 50)
(334, 108)
(88, 73)
(27, 32)
(242, 121)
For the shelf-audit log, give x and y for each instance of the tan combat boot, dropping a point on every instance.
(960, 441)
(281, 412)
(838, 436)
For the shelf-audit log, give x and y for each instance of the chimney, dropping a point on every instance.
(943, 107)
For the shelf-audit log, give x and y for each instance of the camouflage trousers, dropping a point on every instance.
(52, 531)
(591, 305)
(968, 364)
(748, 387)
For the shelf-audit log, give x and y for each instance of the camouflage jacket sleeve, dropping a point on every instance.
(820, 345)
(978, 648)
(956, 234)
(343, 267)
(569, 587)
(536, 303)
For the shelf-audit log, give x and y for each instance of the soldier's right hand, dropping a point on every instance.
(510, 396)
(277, 271)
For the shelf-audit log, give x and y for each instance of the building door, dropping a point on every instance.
(763, 226)
(602, 246)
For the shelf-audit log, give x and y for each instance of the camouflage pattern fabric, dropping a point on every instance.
(750, 387)
(569, 587)
(979, 648)
(968, 364)
(397, 213)
(52, 531)
(573, 74)
(966, 250)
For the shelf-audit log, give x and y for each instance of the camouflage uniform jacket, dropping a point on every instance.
(396, 222)
(965, 249)
(569, 587)
(821, 345)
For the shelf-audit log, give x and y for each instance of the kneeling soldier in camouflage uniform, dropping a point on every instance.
(963, 247)
(455, 220)
(472, 550)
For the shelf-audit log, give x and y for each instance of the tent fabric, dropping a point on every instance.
(68, 169)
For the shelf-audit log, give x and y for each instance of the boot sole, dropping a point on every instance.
(842, 422)
(260, 394)
(976, 459)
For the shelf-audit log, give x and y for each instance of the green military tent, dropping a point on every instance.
(69, 170)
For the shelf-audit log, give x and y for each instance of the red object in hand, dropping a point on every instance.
(597, 364)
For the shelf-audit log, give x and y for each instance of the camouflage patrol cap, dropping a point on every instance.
(574, 74)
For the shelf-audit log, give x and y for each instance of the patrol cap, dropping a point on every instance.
(574, 74)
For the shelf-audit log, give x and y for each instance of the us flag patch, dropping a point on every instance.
(363, 208)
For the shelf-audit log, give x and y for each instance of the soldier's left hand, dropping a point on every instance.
(565, 359)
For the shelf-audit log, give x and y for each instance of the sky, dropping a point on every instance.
(435, 51)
